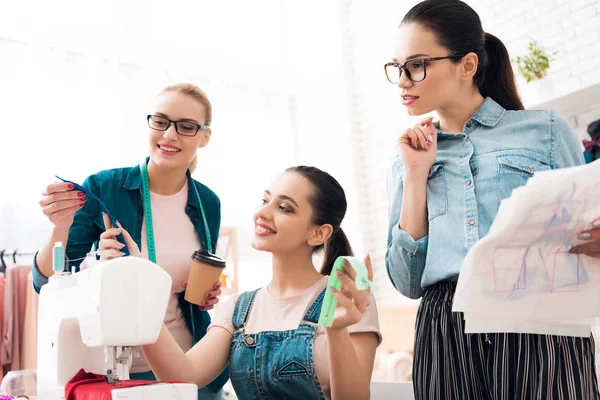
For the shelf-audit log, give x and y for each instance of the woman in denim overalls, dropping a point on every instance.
(301, 213)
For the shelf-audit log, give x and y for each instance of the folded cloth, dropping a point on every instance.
(88, 386)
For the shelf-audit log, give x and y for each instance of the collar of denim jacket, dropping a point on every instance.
(489, 113)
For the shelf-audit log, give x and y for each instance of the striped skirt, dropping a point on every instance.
(449, 364)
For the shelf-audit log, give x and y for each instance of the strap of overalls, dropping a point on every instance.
(246, 299)
(313, 312)
(242, 309)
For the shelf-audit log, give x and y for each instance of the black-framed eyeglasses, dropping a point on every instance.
(414, 68)
(183, 128)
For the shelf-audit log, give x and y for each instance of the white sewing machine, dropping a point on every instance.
(91, 319)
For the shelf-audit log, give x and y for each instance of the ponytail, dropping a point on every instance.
(337, 245)
(496, 79)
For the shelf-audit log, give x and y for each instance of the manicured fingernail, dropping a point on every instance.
(71, 186)
(81, 194)
(575, 250)
(208, 295)
(205, 302)
(430, 138)
(81, 205)
(584, 236)
(427, 145)
(597, 223)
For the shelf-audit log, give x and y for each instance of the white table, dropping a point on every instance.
(392, 390)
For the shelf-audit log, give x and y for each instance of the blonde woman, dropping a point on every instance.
(185, 214)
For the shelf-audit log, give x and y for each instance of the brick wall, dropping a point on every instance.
(570, 27)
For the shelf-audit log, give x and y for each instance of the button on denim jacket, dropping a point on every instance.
(473, 171)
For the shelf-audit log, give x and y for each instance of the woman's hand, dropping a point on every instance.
(591, 246)
(109, 245)
(60, 202)
(418, 146)
(211, 298)
(352, 303)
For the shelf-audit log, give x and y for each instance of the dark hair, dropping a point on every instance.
(458, 28)
(329, 207)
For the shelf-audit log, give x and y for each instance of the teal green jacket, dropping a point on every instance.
(121, 191)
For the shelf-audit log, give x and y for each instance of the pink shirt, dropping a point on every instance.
(270, 313)
(15, 296)
(175, 241)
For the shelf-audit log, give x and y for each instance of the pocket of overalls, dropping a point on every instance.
(293, 368)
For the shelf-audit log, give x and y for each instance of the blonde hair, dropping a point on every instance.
(198, 94)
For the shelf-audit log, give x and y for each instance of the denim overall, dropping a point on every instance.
(274, 364)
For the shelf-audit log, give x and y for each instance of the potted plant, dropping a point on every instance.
(533, 67)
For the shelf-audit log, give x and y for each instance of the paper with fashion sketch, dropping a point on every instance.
(521, 277)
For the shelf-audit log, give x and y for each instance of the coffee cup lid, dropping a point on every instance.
(206, 257)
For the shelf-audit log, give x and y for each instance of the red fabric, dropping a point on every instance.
(591, 145)
(88, 386)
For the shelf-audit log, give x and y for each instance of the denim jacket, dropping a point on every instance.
(473, 171)
(121, 191)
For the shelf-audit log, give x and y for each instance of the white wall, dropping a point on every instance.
(306, 76)
(273, 71)
(76, 81)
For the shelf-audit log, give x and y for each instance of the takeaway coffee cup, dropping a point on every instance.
(204, 273)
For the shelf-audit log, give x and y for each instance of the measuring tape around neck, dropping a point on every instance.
(150, 229)
(148, 214)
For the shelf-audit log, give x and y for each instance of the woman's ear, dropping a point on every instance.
(469, 65)
(320, 235)
(205, 138)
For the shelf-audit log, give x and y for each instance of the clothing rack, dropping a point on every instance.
(16, 253)
(13, 254)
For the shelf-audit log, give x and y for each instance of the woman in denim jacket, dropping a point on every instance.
(186, 215)
(446, 185)
(270, 337)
